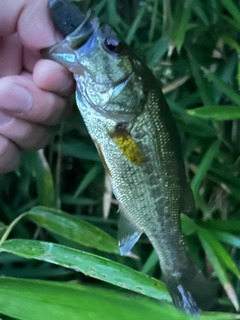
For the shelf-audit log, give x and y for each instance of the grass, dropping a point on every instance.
(52, 205)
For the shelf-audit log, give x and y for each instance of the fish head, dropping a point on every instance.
(109, 77)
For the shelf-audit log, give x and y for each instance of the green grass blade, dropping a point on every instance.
(227, 238)
(219, 113)
(231, 8)
(3, 228)
(73, 228)
(112, 12)
(221, 85)
(89, 264)
(136, 23)
(204, 166)
(150, 263)
(154, 21)
(205, 90)
(219, 250)
(219, 269)
(44, 179)
(233, 22)
(222, 225)
(181, 25)
(231, 42)
(157, 51)
(89, 177)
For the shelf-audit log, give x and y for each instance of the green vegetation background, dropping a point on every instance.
(192, 47)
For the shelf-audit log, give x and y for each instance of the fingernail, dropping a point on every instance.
(4, 119)
(15, 99)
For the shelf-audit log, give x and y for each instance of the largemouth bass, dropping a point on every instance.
(134, 132)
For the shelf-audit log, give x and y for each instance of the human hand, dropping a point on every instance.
(33, 92)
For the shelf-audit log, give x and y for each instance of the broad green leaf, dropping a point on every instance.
(73, 228)
(221, 113)
(89, 264)
(219, 316)
(204, 166)
(34, 299)
(46, 300)
(221, 85)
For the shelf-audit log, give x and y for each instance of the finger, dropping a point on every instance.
(20, 97)
(26, 135)
(9, 155)
(31, 20)
(10, 55)
(29, 60)
(35, 27)
(51, 76)
(9, 14)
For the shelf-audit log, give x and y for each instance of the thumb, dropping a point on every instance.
(31, 19)
(35, 27)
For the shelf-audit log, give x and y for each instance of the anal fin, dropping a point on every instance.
(128, 235)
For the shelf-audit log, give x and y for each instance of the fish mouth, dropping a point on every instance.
(83, 33)
(71, 22)
(77, 28)
(65, 16)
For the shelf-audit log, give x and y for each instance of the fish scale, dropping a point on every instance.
(132, 127)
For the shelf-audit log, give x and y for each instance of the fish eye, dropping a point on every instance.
(113, 45)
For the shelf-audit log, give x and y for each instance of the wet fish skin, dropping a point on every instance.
(128, 119)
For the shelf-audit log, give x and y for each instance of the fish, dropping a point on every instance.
(135, 134)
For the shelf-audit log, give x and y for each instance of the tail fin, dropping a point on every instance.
(182, 298)
(191, 292)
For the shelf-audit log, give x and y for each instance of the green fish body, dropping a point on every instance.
(132, 127)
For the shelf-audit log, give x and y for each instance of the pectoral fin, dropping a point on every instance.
(128, 235)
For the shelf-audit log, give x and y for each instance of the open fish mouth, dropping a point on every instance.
(71, 23)
(64, 16)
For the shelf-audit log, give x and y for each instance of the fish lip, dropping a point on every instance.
(83, 32)
(65, 16)
(72, 23)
